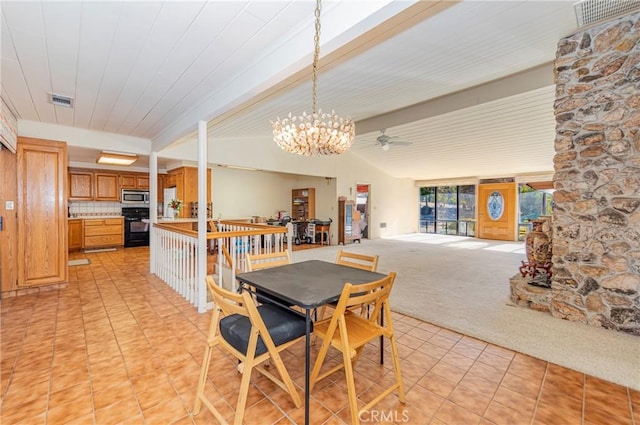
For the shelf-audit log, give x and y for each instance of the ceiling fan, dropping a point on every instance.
(385, 141)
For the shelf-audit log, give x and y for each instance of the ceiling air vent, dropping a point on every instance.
(59, 100)
(590, 11)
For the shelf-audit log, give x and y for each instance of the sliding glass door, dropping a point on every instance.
(448, 210)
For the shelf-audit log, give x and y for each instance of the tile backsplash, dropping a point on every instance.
(94, 208)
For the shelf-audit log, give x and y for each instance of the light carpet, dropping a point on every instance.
(462, 284)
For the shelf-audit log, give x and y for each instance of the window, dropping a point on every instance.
(448, 210)
(533, 203)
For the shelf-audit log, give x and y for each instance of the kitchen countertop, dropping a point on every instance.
(97, 217)
(166, 220)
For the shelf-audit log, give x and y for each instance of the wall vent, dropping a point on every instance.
(590, 11)
(60, 100)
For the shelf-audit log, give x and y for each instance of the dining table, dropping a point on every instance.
(307, 285)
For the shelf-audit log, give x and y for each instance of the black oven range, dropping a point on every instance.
(136, 232)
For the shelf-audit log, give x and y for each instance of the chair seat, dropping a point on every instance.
(283, 326)
(360, 330)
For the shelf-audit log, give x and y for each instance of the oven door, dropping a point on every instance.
(136, 233)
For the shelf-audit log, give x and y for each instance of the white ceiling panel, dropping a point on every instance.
(99, 24)
(149, 83)
(137, 23)
(154, 69)
(30, 50)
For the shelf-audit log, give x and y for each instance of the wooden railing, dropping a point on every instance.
(176, 252)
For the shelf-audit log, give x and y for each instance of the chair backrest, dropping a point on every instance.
(374, 293)
(265, 261)
(230, 302)
(359, 261)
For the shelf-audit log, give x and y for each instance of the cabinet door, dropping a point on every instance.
(171, 180)
(42, 212)
(107, 187)
(161, 185)
(81, 185)
(142, 181)
(127, 181)
(75, 234)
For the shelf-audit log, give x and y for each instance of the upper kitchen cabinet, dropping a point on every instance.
(42, 211)
(134, 181)
(185, 180)
(80, 185)
(107, 188)
(162, 179)
(90, 185)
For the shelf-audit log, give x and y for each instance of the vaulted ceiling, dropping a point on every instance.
(468, 85)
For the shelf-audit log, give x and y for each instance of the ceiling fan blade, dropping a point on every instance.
(402, 143)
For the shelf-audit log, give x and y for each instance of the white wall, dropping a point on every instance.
(393, 201)
(84, 138)
(243, 194)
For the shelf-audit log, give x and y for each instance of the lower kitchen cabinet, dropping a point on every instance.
(75, 235)
(103, 232)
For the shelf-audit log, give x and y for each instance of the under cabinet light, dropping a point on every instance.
(116, 158)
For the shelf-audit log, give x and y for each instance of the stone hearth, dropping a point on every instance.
(525, 295)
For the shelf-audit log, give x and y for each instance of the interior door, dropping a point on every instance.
(42, 212)
(497, 211)
(9, 231)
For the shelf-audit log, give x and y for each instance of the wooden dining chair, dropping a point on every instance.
(253, 334)
(359, 261)
(264, 261)
(349, 332)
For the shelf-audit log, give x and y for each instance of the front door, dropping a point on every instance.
(497, 211)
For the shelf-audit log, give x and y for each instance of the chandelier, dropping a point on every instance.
(317, 133)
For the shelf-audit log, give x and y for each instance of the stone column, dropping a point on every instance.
(596, 217)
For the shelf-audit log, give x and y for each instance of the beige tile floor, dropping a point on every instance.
(119, 346)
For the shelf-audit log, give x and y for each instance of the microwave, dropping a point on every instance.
(130, 196)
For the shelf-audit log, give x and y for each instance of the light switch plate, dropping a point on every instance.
(9, 205)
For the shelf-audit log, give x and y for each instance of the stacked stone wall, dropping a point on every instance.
(596, 217)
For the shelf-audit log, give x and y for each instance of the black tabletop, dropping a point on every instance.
(308, 284)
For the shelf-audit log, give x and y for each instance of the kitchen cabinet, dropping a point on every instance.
(107, 188)
(134, 181)
(75, 234)
(80, 185)
(162, 179)
(90, 185)
(103, 232)
(42, 212)
(185, 180)
(303, 204)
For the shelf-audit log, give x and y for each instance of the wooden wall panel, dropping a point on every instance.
(504, 227)
(42, 212)
(9, 234)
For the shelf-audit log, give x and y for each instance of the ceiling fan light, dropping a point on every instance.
(386, 147)
(116, 158)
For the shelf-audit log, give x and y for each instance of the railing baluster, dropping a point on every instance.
(177, 253)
